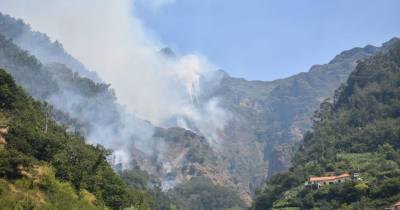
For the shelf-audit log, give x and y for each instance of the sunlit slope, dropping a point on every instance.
(358, 132)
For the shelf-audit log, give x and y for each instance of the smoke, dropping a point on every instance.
(109, 38)
(156, 4)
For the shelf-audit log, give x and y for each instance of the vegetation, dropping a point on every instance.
(56, 80)
(43, 166)
(40, 45)
(359, 131)
(284, 105)
(201, 194)
(44, 192)
(141, 180)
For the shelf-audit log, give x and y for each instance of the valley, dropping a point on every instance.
(232, 144)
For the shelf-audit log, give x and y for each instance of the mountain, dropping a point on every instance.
(267, 124)
(358, 133)
(270, 118)
(42, 166)
(169, 156)
(40, 45)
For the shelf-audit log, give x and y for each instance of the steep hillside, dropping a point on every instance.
(40, 45)
(44, 167)
(270, 118)
(56, 84)
(358, 132)
(170, 156)
(187, 169)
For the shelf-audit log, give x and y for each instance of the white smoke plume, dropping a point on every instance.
(156, 4)
(109, 38)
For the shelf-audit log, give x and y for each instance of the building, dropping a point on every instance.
(317, 182)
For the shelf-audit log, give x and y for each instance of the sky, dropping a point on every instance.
(269, 39)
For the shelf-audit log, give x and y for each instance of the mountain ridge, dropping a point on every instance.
(269, 117)
(40, 45)
(357, 132)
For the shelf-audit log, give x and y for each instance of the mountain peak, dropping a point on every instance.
(168, 52)
(391, 42)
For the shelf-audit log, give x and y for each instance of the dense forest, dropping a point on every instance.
(44, 167)
(201, 194)
(356, 132)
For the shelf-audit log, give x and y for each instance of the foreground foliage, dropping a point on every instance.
(359, 132)
(74, 174)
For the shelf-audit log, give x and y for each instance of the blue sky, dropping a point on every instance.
(270, 39)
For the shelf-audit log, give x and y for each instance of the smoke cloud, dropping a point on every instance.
(109, 38)
(156, 4)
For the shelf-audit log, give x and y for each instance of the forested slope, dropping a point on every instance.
(270, 118)
(43, 166)
(40, 45)
(358, 132)
(90, 108)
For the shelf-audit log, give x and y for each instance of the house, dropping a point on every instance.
(316, 182)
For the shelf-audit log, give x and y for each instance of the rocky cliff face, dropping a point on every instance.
(181, 155)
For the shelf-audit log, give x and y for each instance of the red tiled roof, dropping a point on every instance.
(322, 178)
(328, 178)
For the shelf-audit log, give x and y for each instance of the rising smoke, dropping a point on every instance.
(109, 38)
